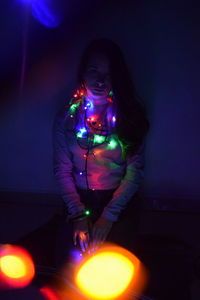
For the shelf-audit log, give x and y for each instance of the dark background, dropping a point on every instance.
(40, 47)
(161, 43)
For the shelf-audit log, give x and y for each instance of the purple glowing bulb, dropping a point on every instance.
(114, 119)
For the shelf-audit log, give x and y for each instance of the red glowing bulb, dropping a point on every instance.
(110, 99)
(48, 293)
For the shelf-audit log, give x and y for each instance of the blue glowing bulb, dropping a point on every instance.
(81, 132)
(89, 105)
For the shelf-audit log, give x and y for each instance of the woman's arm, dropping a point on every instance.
(126, 190)
(62, 166)
(128, 187)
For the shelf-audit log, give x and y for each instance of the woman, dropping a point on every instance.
(99, 146)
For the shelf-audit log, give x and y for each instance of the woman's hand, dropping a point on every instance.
(100, 232)
(81, 232)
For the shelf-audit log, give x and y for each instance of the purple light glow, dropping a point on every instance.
(76, 255)
(114, 119)
(25, 1)
(46, 12)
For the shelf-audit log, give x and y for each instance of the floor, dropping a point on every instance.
(167, 243)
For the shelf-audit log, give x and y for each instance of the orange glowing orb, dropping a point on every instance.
(16, 266)
(107, 274)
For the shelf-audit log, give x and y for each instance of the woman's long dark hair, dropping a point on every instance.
(132, 124)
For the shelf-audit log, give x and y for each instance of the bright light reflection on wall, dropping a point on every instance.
(46, 12)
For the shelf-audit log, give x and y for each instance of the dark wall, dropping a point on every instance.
(161, 43)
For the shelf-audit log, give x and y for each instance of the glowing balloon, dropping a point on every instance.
(108, 273)
(12, 266)
(16, 267)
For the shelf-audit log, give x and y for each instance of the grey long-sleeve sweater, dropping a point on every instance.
(106, 169)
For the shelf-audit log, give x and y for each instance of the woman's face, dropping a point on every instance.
(97, 78)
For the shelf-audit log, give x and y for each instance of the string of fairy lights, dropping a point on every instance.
(93, 131)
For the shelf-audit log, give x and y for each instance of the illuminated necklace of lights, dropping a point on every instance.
(86, 139)
(82, 132)
(96, 123)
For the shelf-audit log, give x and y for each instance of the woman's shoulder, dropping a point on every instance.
(66, 115)
(60, 115)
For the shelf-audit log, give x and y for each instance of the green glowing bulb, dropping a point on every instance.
(99, 138)
(73, 107)
(87, 212)
(111, 93)
(112, 144)
(79, 135)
